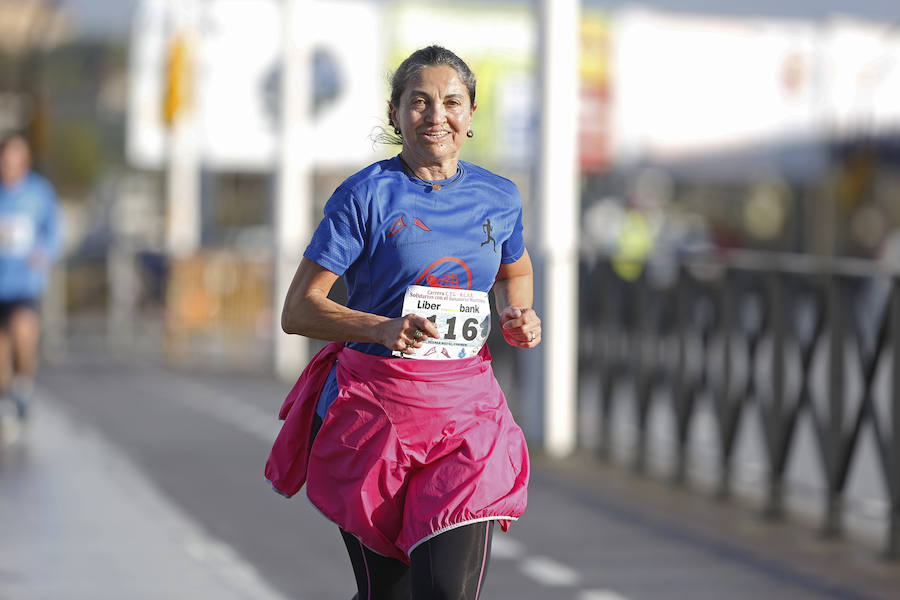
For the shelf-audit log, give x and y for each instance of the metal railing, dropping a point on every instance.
(782, 335)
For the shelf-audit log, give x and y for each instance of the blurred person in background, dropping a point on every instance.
(29, 242)
(414, 459)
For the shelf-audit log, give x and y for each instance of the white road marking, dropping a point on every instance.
(233, 411)
(549, 572)
(505, 547)
(600, 595)
(222, 557)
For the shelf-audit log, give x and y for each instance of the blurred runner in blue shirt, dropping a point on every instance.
(29, 242)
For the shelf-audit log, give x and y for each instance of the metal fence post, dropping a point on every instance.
(893, 482)
(610, 337)
(724, 408)
(775, 418)
(681, 387)
(833, 430)
(643, 372)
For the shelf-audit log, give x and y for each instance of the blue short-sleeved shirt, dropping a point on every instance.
(384, 231)
(29, 227)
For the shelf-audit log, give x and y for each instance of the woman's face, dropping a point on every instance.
(434, 116)
(14, 160)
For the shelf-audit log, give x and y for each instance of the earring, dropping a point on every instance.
(396, 130)
(470, 134)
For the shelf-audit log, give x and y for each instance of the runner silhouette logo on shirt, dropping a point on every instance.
(488, 229)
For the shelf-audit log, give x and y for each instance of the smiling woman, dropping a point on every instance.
(434, 117)
(415, 459)
(431, 109)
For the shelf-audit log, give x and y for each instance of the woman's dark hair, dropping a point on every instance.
(432, 56)
(11, 135)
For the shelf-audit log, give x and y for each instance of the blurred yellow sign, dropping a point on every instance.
(177, 94)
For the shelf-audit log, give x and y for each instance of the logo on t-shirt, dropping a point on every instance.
(487, 228)
(396, 227)
(447, 272)
(400, 224)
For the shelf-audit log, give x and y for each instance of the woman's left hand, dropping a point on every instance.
(521, 327)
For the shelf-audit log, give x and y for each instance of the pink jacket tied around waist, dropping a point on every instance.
(286, 467)
(289, 458)
(409, 448)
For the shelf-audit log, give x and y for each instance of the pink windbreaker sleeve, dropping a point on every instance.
(287, 463)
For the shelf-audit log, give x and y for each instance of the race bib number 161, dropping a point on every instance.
(462, 317)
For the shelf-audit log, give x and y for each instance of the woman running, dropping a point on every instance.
(398, 427)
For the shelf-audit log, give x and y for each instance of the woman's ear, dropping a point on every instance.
(392, 112)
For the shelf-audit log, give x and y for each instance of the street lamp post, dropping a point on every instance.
(293, 196)
(558, 201)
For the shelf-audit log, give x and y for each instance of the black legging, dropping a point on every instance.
(449, 566)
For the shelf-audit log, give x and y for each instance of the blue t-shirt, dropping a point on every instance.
(29, 227)
(384, 231)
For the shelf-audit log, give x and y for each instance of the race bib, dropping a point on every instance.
(16, 235)
(462, 317)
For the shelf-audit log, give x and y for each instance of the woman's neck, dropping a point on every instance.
(426, 172)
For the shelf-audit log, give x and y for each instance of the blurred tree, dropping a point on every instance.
(84, 130)
(75, 156)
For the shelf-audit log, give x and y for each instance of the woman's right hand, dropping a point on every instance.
(404, 334)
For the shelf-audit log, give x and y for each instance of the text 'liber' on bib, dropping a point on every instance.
(462, 317)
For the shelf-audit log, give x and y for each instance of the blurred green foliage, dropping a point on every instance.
(75, 156)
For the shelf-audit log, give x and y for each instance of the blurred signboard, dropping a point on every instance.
(356, 43)
(237, 57)
(594, 133)
(499, 43)
(691, 84)
(862, 87)
(655, 85)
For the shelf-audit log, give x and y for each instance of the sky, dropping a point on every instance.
(105, 18)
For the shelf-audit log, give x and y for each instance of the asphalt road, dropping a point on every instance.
(590, 533)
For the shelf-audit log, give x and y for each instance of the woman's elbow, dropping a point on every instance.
(291, 320)
(287, 324)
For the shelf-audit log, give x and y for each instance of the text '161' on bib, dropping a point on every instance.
(462, 317)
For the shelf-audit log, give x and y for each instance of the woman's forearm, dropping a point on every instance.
(315, 315)
(309, 312)
(514, 295)
(514, 285)
(517, 291)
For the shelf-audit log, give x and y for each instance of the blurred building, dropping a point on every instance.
(779, 116)
(28, 29)
(716, 131)
(779, 132)
(709, 131)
